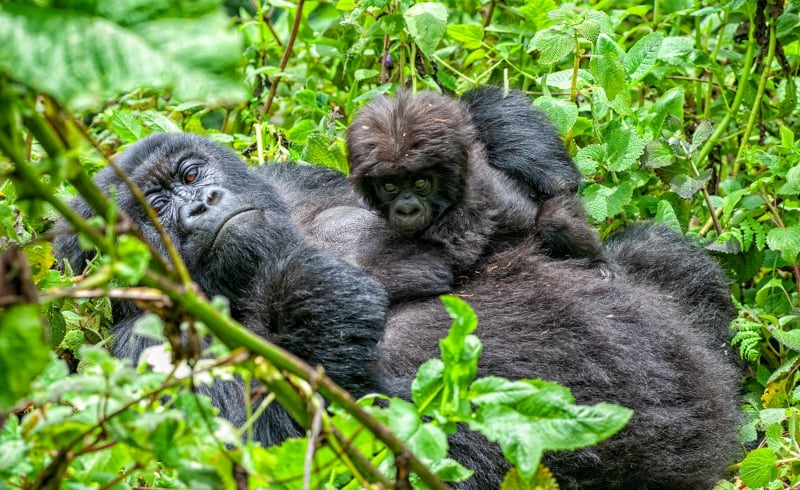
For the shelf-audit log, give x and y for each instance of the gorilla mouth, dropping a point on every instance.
(229, 221)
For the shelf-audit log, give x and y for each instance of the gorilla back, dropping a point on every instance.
(617, 341)
(238, 240)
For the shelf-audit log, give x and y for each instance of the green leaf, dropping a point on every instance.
(666, 216)
(426, 389)
(609, 73)
(607, 46)
(543, 479)
(759, 468)
(687, 186)
(426, 24)
(562, 113)
(322, 150)
(127, 126)
(657, 154)
(590, 158)
(624, 147)
(21, 331)
(789, 338)
(402, 418)
(83, 60)
(134, 257)
(704, 131)
(786, 240)
(552, 46)
(792, 185)
(671, 103)
(159, 123)
(641, 58)
(605, 202)
(470, 36)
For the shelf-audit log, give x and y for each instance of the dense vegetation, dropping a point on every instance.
(679, 111)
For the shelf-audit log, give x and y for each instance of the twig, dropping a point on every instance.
(288, 51)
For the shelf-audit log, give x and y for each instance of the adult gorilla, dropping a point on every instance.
(606, 340)
(622, 341)
(238, 240)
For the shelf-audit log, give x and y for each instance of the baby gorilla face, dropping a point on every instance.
(408, 202)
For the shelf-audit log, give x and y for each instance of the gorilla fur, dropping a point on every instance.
(476, 205)
(238, 240)
(620, 341)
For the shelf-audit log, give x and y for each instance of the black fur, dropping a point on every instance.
(238, 240)
(618, 341)
(521, 142)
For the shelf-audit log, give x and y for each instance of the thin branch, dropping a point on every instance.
(286, 53)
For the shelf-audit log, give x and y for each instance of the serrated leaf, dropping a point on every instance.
(624, 147)
(665, 215)
(606, 202)
(590, 158)
(127, 126)
(759, 468)
(792, 185)
(786, 240)
(642, 56)
(607, 46)
(322, 150)
(704, 131)
(687, 186)
(789, 338)
(657, 154)
(470, 36)
(609, 73)
(671, 103)
(159, 123)
(426, 24)
(675, 49)
(552, 46)
(562, 113)
(95, 59)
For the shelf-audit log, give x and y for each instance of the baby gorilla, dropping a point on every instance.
(238, 240)
(450, 196)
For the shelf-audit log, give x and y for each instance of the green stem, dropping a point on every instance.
(759, 94)
(742, 83)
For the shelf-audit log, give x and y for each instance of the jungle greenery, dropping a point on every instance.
(679, 111)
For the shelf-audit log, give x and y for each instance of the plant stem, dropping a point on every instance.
(286, 53)
(759, 94)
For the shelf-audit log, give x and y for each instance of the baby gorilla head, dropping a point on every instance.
(409, 157)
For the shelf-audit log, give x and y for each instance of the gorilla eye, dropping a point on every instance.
(420, 184)
(158, 204)
(190, 175)
(389, 187)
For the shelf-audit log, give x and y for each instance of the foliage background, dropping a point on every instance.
(679, 111)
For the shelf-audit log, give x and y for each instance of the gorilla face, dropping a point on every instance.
(409, 203)
(223, 218)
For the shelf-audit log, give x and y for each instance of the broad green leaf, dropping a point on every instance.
(322, 150)
(428, 442)
(590, 158)
(426, 25)
(365, 74)
(701, 134)
(83, 60)
(607, 46)
(657, 154)
(687, 186)
(792, 185)
(552, 46)
(624, 147)
(127, 126)
(562, 113)
(450, 470)
(524, 434)
(134, 257)
(675, 50)
(535, 11)
(666, 216)
(642, 56)
(470, 36)
(609, 73)
(789, 338)
(402, 418)
(759, 468)
(426, 388)
(786, 240)
(159, 123)
(606, 202)
(671, 103)
(20, 332)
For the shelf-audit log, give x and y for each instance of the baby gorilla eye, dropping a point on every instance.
(190, 175)
(420, 184)
(389, 187)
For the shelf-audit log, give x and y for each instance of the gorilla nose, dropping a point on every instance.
(202, 212)
(408, 210)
